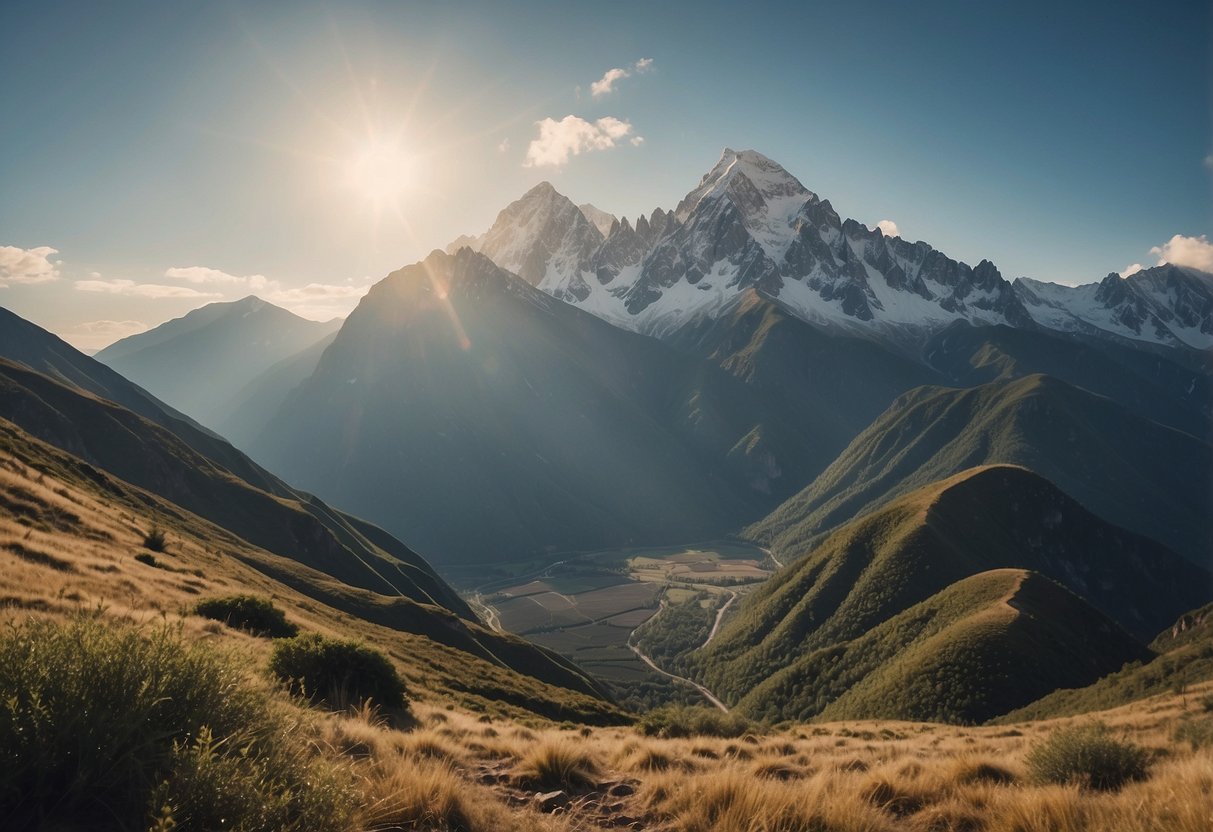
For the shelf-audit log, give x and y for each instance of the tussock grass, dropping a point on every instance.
(558, 764)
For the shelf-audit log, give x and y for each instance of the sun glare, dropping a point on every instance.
(382, 173)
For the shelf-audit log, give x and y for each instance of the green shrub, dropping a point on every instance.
(340, 673)
(1089, 756)
(155, 539)
(248, 612)
(106, 725)
(1196, 732)
(674, 722)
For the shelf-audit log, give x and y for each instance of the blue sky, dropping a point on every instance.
(215, 148)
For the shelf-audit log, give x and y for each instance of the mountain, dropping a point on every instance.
(1183, 658)
(1148, 382)
(539, 236)
(146, 455)
(601, 219)
(879, 565)
(200, 362)
(1149, 478)
(979, 648)
(255, 404)
(31, 346)
(1168, 305)
(751, 225)
(455, 384)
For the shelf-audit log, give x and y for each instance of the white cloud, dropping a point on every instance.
(636, 141)
(1132, 269)
(1194, 252)
(320, 301)
(141, 290)
(606, 84)
(27, 265)
(888, 228)
(503, 145)
(571, 136)
(202, 274)
(1209, 161)
(94, 335)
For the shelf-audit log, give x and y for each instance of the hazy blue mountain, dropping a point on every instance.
(201, 362)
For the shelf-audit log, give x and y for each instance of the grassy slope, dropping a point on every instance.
(147, 455)
(69, 533)
(872, 569)
(1141, 475)
(805, 396)
(1150, 384)
(977, 649)
(1184, 658)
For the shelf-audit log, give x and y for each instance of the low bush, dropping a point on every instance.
(111, 724)
(339, 673)
(675, 722)
(149, 560)
(1196, 732)
(248, 612)
(1088, 756)
(155, 539)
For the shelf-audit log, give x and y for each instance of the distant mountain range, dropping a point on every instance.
(750, 224)
(201, 363)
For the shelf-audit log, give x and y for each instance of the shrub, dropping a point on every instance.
(1088, 756)
(248, 612)
(675, 722)
(1196, 732)
(339, 673)
(155, 539)
(128, 727)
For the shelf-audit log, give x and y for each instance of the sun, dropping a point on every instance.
(382, 173)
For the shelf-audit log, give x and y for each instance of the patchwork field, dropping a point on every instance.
(588, 607)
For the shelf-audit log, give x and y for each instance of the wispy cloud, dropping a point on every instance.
(606, 84)
(94, 335)
(141, 290)
(204, 275)
(27, 265)
(888, 228)
(572, 136)
(320, 301)
(1132, 269)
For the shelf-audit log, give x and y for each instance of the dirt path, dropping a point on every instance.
(719, 617)
(707, 694)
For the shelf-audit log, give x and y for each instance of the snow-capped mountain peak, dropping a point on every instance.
(601, 219)
(751, 228)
